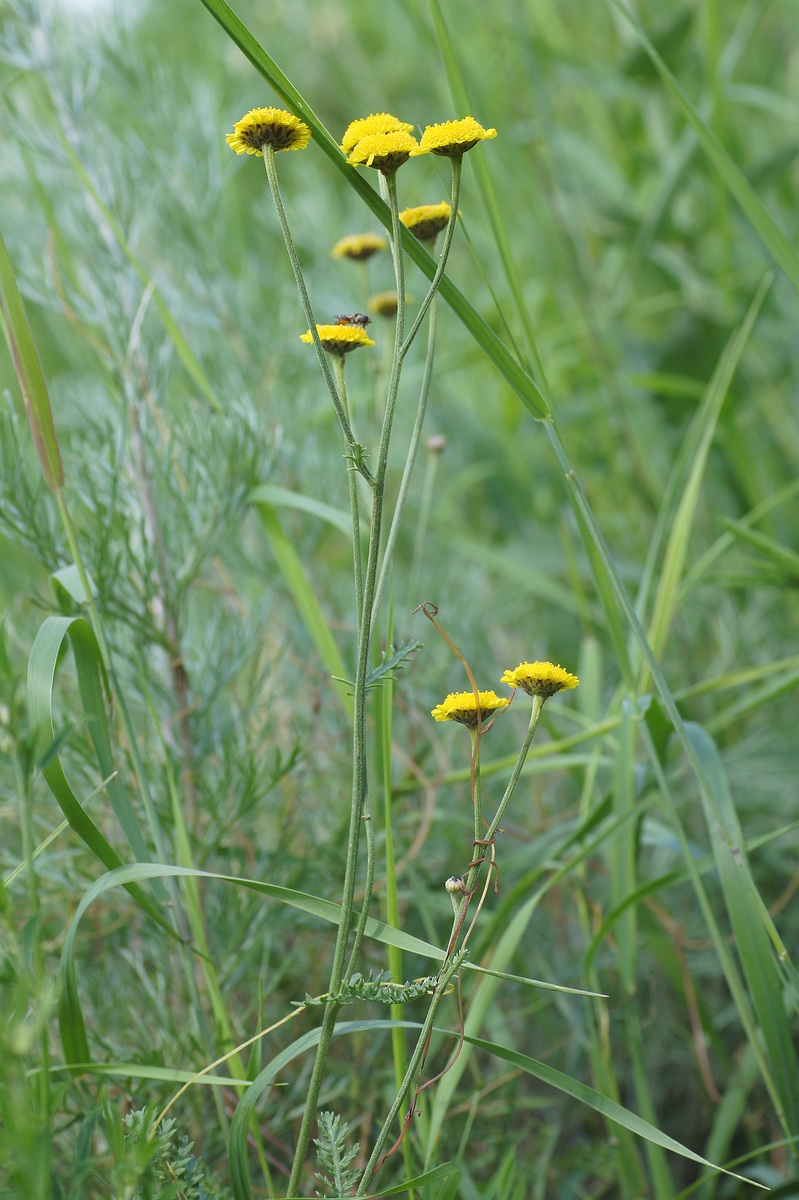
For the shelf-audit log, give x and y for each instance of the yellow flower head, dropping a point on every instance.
(339, 339)
(359, 246)
(426, 220)
(268, 127)
(461, 706)
(375, 123)
(540, 679)
(453, 138)
(384, 304)
(383, 151)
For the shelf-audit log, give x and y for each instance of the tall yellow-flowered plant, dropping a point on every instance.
(383, 143)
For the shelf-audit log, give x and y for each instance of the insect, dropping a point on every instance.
(353, 319)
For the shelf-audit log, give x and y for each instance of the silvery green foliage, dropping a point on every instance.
(173, 1170)
(335, 1158)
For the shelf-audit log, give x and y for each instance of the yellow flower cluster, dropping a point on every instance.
(426, 220)
(379, 140)
(384, 142)
(462, 706)
(540, 679)
(359, 246)
(339, 339)
(268, 127)
(537, 678)
(452, 138)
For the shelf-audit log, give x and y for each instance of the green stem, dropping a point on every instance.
(410, 461)
(274, 187)
(477, 790)
(425, 505)
(446, 973)
(457, 168)
(359, 775)
(352, 483)
(471, 878)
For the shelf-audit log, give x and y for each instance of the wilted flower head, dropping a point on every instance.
(383, 151)
(426, 220)
(540, 679)
(339, 339)
(359, 246)
(268, 127)
(453, 138)
(374, 123)
(462, 707)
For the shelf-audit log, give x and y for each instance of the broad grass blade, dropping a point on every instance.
(307, 605)
(42, 664)
(601, 1104)
(679, 508)
(755, 951)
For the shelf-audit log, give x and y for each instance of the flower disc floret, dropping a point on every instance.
(453, 138)
(339, 339)
(426, 220)
(540, 679)
(268, 127)
(374, 123)
(359, 246)
(462, 707)
(383, 151)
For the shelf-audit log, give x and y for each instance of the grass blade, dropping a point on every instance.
(679, 509)
(307, 605)
(755, 952)
(761, 220)
(601, 1104)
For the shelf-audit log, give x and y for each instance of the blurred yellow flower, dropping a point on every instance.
(359, 246)
(339, 339)
(540, 679)
(453, 138)
(383, 151)
(461, 706)
(268, 127)
(375, 123)
(426, 220)
(384, 304)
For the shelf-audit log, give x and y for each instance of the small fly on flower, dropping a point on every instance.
(353, 319)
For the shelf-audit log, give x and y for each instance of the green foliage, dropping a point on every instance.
(624, 260)
(335, 1156)
(172, 1170)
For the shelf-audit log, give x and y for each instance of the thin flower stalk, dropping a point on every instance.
(357, 560)
(410, 462)
(454, 955)
(477, 785)
(450, 968)
(470, 882)
(274, 187)
(457, 171)
(435, 444)
(359, 777)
